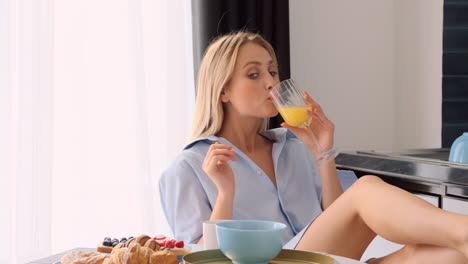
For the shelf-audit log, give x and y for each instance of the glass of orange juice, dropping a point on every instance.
(290, 103)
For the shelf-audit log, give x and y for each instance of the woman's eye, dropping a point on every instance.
(253, 75)
(273, 73)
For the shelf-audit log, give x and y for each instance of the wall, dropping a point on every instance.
(374, 66)
(418, 73)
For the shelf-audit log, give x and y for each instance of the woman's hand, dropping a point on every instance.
(320, 126)
(217, 168)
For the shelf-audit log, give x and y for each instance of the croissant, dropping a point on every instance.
(142, 239)
(141, 250)
(163, 257)
(135, 254)
(151, 243)
(82, 257)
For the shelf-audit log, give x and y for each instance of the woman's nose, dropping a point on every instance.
(271, 83)
(269, 86)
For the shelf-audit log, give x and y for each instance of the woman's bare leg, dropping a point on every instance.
(371, 206)
(423, 254)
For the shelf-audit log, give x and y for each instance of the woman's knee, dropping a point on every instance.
(362, 185)
(368, 180)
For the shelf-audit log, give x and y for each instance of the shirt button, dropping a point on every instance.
(259, 172)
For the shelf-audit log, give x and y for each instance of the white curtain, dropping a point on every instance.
(25, 129)
(96, 101)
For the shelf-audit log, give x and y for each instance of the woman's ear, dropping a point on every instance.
(224, 96)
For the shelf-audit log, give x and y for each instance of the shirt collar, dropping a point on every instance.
(278, 135)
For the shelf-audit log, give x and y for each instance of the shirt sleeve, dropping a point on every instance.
(347, 178)
(184, 201)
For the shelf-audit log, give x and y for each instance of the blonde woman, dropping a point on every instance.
(235, 169)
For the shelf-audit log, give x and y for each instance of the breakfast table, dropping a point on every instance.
(55, 259)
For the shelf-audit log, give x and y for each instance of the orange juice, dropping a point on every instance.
(295, 115)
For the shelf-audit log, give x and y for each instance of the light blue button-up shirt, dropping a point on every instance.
(188, 195)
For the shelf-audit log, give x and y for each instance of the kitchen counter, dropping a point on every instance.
(421, 170)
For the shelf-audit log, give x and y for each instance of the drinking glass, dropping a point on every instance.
(290, 103)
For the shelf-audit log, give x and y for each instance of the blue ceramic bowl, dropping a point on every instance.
(459, 149)
(250, 241)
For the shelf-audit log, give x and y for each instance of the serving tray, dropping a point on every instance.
(215, 256)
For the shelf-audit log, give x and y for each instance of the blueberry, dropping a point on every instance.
(115, 244)
(106, 243)
(130, 238)
(123, 239)
(107, 239)
(114, 240)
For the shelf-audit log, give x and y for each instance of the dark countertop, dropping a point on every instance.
(425, 170)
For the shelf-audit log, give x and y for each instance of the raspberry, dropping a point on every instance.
(161, 237)
(179, 244)
(170, 244)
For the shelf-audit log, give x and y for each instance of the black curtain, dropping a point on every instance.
(270, 18)
(455, 71)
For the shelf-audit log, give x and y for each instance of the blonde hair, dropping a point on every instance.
(215, 72)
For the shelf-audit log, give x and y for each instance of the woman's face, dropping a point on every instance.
(255, 74)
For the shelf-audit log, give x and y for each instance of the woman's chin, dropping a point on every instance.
(272, 114)
(268, 113)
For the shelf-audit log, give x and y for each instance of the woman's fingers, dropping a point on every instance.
(220, 160)
(223, 157)
(316, 117)
(220, 154)
(215, 152)
(284, 124)
(309, 100)
(227, 152)
(299, 131)
(315, 106)
(218, 145)
(220, 149)
(317, 110)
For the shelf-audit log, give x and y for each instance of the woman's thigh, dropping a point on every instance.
(339, 230)
(423, 254)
